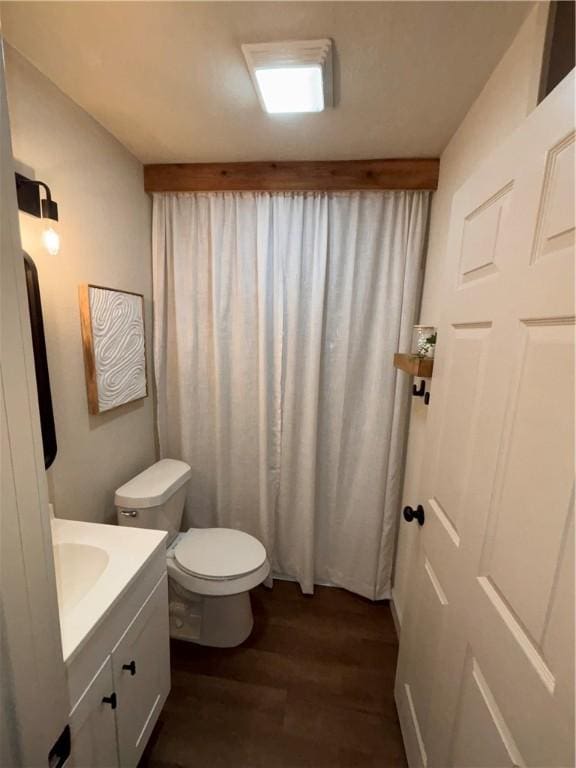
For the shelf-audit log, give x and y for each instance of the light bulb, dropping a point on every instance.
(291, 89)
(51, 241)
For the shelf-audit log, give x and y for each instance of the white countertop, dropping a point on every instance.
(95, 564)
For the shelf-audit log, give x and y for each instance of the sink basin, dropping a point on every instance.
(78, 568)
(95, 564)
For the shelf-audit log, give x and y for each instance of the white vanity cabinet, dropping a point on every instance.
(119, 679)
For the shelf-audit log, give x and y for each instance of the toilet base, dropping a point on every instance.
(222, 621)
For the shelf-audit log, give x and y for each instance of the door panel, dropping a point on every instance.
(93, 725)
(555, 225)
(481, 237)
(141, 662)
(467, 348)
(535, 473)
(493, 685)
(430, 615)
(481, 735)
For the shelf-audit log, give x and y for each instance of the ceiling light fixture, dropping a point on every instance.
(29, 201)
(293, 76)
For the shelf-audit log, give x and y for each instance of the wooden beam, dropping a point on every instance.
(306, 175)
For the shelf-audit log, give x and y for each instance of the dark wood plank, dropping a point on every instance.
(341, 175)
(311, 688)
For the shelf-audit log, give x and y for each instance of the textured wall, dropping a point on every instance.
(508, 96)
(105, 230)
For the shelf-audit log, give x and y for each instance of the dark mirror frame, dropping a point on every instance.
(40, 362)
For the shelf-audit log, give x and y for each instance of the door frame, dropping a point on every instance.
(33, 690)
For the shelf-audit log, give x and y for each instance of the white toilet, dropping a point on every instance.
(211, 570)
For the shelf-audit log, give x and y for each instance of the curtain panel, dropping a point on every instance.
(276, 318)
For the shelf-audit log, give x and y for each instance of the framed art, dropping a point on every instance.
(114, 346)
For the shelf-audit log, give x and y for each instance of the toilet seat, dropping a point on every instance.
(218, 554)
(212, 587)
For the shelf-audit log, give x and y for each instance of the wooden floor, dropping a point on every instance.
(312, 686)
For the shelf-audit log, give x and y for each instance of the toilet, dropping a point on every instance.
(210, 570)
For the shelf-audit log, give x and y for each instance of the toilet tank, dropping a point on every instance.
(155, 498)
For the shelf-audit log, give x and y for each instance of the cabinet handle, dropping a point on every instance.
(130, 667)
(110, 700)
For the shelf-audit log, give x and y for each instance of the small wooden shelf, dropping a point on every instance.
(414, 365)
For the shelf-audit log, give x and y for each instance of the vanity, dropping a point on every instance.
(113, 604)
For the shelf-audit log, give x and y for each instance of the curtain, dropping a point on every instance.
(276, 318)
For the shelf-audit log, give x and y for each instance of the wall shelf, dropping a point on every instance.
(414, 365)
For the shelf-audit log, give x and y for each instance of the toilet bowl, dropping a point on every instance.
(210, 570)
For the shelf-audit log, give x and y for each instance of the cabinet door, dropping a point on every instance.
(93, 725)
(141, 664)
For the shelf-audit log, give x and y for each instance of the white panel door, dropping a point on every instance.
(486, 668)
(30, 646)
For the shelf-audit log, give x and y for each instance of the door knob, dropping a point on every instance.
(110, 700)
(130, 667)
(414, 514)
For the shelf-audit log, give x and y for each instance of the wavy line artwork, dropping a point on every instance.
(118, 342)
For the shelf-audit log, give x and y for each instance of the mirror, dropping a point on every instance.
(40, 362)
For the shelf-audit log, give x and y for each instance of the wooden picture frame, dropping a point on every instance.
(114, 346)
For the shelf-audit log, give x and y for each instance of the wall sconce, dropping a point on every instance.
(29, 201)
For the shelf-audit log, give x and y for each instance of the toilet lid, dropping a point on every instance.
(219, 553)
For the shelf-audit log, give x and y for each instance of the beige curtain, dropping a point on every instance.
(276, 320)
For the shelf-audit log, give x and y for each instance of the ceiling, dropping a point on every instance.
(168, 79)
